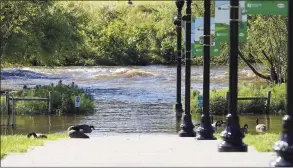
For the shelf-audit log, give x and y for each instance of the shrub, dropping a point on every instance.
(218, 103)
(63, 97)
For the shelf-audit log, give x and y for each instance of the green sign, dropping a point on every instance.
(222, 21)
(265, 7)
(192, 41)
(197, 30)
(200, 101)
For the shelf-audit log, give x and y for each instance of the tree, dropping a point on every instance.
(267, 44)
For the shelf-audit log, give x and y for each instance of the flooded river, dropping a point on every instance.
(128, 99)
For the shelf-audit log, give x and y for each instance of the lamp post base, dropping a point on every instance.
(187, 127)
(281, 162)
(229, 147)
(205, 132)
(232, 137)
(284, 147)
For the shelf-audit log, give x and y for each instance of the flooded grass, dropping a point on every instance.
(261, 142)
(20, 143)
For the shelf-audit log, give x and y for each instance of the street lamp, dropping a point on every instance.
(187, 125)
(206, 131)
(232, 134)
(178, 22)
(284, 147)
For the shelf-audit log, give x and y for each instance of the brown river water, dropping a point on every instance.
(136, 99)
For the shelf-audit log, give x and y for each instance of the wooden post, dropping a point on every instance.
(13, 121)
(268, 103)
(50, 103)
(2, 114)
(227, 103)
(7, 108)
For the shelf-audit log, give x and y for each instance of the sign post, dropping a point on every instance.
(232, 135)
(178, 23)
(76, 103)
(187, 125)
(199, 101)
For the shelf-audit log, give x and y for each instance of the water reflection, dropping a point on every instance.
(52, 124)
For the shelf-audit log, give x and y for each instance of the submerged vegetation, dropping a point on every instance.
(63, 98)
(218, 103)
(20, 143)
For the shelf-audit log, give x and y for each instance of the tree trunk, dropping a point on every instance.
(267, 77)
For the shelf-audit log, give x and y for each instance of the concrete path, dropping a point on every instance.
(135, 151)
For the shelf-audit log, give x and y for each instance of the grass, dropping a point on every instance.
(261, 142)
(20, 143)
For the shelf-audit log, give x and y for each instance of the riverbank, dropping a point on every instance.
(20, 143)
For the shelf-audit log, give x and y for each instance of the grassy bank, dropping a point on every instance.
(261, 142)
(20, 143)
(218, 102)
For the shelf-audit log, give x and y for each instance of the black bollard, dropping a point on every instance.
(177, 22)
(284, 147)
(187, 125)
(232, 134)
(206, 131)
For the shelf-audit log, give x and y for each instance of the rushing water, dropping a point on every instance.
(128, 99)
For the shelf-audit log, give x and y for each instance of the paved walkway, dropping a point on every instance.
(135, 150)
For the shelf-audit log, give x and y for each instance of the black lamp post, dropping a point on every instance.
(129, 2)
(206, 131)
(187, 125)
(177, 22)
(232, 135)
(284, 147)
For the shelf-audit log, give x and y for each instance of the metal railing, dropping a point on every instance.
(267, 99)
(10, 109)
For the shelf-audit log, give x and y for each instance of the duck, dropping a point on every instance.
(197, 124)
(84, 128)
(37, 135)
(74, 132)
(244, 129)
(222, 123)
(260, 127)
(215, 124)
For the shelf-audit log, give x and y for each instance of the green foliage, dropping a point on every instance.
(218, 103)
(194, 101)
(89, 33)
(57, 33)
(63, 97)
